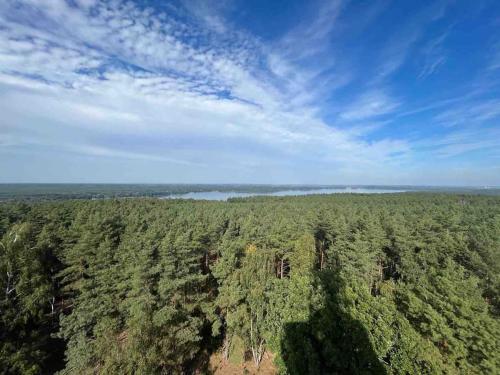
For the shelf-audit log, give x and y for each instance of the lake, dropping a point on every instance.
(225, 195)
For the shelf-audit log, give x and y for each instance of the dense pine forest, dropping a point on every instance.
(346, 284)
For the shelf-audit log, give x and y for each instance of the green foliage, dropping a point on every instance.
(392, 284)
(27, 319)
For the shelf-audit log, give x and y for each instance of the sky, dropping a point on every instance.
(283, 91)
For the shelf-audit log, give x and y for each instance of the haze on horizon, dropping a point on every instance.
(281, 92)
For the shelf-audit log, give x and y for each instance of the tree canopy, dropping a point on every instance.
(346, 284)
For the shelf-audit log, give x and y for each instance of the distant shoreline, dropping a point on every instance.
(54, 191)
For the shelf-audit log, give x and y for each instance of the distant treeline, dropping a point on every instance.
(39, 192)
(345, 284)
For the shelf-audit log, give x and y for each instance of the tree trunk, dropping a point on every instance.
(257, 348)
(225, 348)
(52, 301)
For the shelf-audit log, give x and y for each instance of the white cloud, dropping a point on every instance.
(373, 103)
(433, 55)
(313, 34)
(398, 48)
(470, 113)
(113, 80)
(74, 78)
(460, 142)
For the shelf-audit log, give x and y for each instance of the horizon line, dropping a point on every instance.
(250, 184)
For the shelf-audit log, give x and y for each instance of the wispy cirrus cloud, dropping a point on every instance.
(371, 104)
(460, 142)
(313, 33)
(399, 46)
(470, 113)
(434, 55)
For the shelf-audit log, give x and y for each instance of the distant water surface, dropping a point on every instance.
(225, 195)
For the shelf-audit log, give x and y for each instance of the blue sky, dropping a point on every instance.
(316, 92)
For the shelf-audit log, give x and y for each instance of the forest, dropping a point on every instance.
(340, 284)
